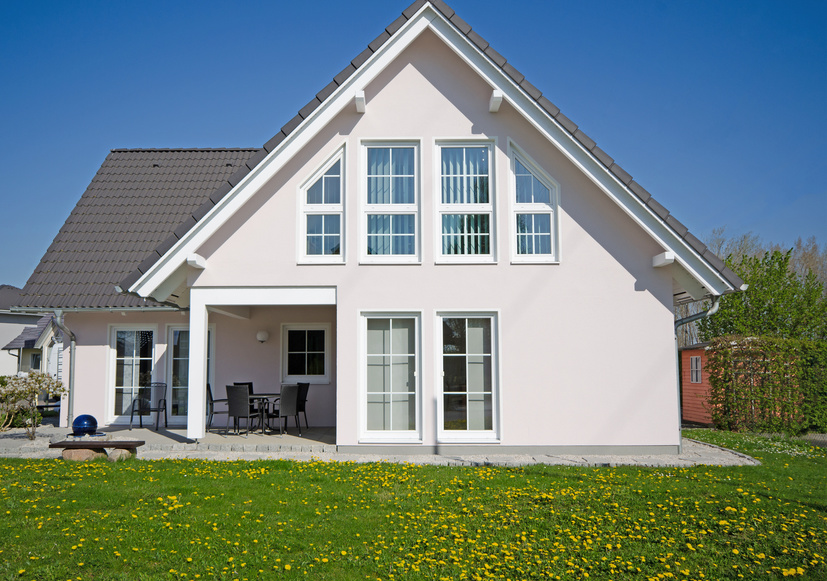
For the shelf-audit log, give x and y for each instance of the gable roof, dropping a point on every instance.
(132, 204)
(145, 256)
(29, 337)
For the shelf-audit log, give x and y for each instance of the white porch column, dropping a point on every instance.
(197, 404)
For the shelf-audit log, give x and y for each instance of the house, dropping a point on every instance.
(695, 385)
(12, 324)
(430, 242)
(38, 348)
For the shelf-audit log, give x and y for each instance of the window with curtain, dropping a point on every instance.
(391, 204)
(323, 208)
(535, 210)
(391, 378)
(465, 205)
(134, 362)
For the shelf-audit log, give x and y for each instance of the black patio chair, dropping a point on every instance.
(142, 404)
(301, 404)
(288, 406)
(239, 405)
(211, 401)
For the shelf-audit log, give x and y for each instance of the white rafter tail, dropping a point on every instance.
(360, 101)
(663, 259)
(496, 101)
(197, 261)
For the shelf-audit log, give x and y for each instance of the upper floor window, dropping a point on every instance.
(465, 204)
(391, 203)
(535, 212)
(322, 206)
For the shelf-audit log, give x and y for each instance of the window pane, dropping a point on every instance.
(180, 372)
(315, 340)
(379, 190)
(296, 340)
(403, 336)
(332, 194)
(123, 373)
(403, 190)
(453, 335)
(379, 161)
(541, 192)
(403, 412)
(524, 189)
(454, 410)
(315, 194)
(296, 364)
(379, 336)
(379, 374)
(479, 373)
(315, 364)
(378, 412)
(479, 336)
(476, 160)
(451, 161)
(454, 373)
(403, 161)
(402, 373)
(125, 345)
(479, 412)
(315, 225)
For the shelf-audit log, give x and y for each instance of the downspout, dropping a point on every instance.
(70, 400)
(679, 323)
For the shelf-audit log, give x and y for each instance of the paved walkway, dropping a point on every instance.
(318, 444)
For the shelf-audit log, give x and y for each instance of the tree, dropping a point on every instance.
(19, 396)
(779, 301)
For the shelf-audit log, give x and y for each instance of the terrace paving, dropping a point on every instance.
(319, 444)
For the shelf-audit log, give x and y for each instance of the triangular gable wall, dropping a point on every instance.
(165, 271)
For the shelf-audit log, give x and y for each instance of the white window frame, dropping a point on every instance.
(112, 331)
(210, 364)
(388, 436)
(306, 210)
(443, 209)
(492, 436)
(551, 209)
(312, 379)
(695, 369)
(391, 209)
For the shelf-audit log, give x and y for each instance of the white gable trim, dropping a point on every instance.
(427, 18)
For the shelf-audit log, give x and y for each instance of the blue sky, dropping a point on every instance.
(719, 109)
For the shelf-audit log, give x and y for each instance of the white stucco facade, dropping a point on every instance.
(581, 355)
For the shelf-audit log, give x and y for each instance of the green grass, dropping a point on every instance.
(261, 520)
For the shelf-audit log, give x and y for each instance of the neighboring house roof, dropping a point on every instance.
(126, 261)
(9, 296)
(28, 339)
(137, 198)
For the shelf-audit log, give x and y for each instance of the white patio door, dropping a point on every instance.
(178, 348)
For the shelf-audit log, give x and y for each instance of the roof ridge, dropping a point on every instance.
(181, 149)
(519, 80)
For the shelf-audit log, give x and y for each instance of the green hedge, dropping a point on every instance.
(768, 384)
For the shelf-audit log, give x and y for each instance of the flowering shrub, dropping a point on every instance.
(19, 397)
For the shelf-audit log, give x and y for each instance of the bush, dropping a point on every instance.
(18, 399)
(768, 384)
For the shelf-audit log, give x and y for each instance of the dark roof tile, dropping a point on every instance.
(446, 10)
(640, 191)
(693, 241)
(463, 26)
(532, 91)
(327, 91)
(602, 156)
(377, 42)
(413, 8)
(275, 141)
(362, 57)
(223, 189)
(714, 260)
(567, 123)
(587, 141)
(290, 126)
(396, 24)
(343, 75)
(168, 243)
(548, 106)
(657, 208)
(311, 106)
(513, 73)
(202, 210)
(677, 226)
(495, 56)
(185, 226)
(147, 262)
(481, 43)
(621, 174)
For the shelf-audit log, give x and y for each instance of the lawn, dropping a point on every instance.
(271, 519)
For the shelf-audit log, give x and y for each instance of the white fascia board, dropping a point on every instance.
(276, 159)
(685, 255)
(240, 296)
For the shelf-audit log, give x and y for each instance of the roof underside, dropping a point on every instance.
(137, 198)
(142, 202)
